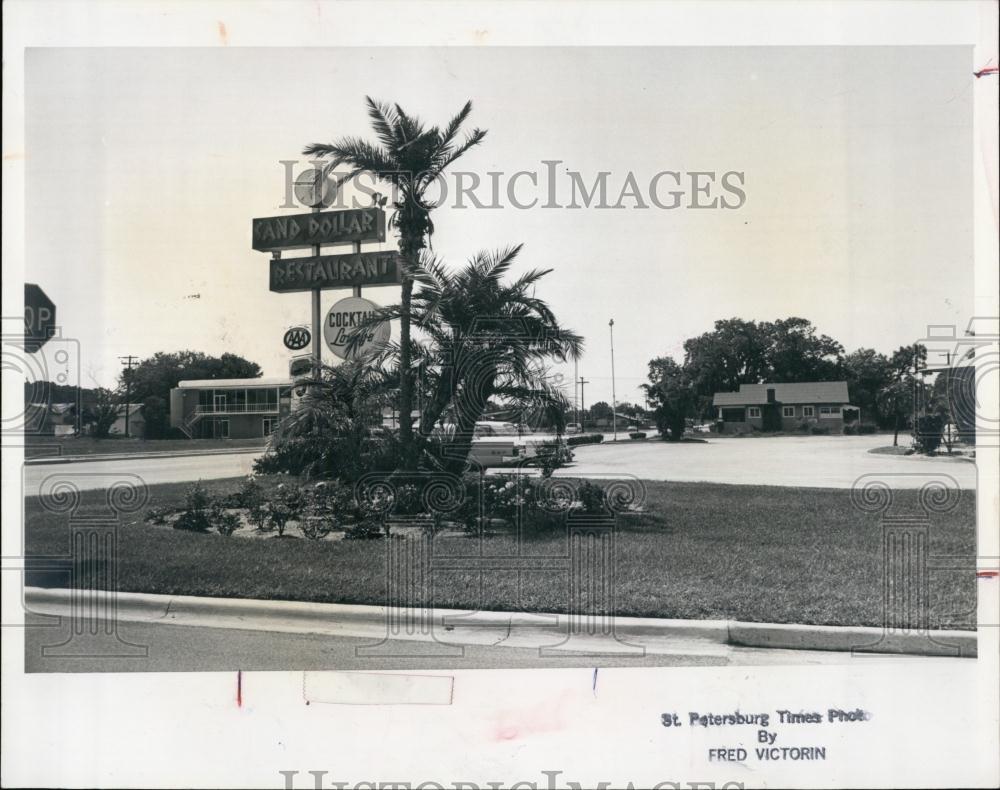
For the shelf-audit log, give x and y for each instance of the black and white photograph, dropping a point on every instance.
(639, 396)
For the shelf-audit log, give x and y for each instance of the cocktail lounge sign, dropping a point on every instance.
(297, 231)
(335, 271)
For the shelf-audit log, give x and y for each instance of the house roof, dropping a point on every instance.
(802, 392)
(227, 383)
(133, 409)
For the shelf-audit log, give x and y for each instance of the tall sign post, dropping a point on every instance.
(318, 272)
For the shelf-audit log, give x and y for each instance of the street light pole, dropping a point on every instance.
(576, 384)
(614, 405)
(583, 403)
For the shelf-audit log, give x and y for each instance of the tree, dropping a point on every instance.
(747, 352)
(410, 157)
(157, 417)
(870, 381)
(672, 393)
(482, 340)
(336, 431)
(103, 414)
(160, 373)
(895, 399)
(600, 411)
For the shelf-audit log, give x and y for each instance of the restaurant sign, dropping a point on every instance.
(297, 231)
(343, 321)
(336, 271)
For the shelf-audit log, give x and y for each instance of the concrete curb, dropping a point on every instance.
(303, 617)
(76, 459)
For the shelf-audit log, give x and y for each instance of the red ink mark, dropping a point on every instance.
(985, 71)
(239, 688)
(223, 34)
(987, 574)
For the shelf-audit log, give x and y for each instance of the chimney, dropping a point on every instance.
(770, 394)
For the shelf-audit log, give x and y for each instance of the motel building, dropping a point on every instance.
(785, 407)
(230, 408)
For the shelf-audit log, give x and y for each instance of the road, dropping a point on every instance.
(168, 469)
(811, 461)
(173, 648)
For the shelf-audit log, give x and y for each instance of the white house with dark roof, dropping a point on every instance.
(785, 407)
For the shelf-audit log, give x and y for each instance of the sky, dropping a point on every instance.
(145, 167)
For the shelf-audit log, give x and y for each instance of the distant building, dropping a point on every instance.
(136, 422)
(230, 408)
(785, 407)
(50, 419)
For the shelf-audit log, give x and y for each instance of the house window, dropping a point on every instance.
(754, 411)
(829, 412)
(787, 411)
(269, 426)
(808, 411)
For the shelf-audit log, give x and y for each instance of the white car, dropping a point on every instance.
(497, 443)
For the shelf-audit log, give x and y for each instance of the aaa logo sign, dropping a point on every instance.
(343, 321)
(297, 338)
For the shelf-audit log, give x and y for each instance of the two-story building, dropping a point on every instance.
(230, 408)
(785, 407)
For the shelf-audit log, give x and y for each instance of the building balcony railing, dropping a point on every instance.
(237, 408)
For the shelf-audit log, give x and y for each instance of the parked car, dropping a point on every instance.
(574, 427)
(497, 443)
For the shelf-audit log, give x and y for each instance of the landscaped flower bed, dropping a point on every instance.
(334, 510)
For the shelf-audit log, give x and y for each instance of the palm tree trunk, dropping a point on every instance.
(406, 379)
(895, 436)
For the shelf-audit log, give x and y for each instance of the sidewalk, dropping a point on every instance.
(520, 628)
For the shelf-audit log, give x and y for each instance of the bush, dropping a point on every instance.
(867, 427)
(251, 497)
(329, 503)
(819, 430)
(592, 498)
(286, 505)
(851, 429)
(225, 523)
(552, 456)
(585, 438)
(637, 435)
(930, 427)
(196, 517)
(363, 530)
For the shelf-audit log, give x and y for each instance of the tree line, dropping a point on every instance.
(788, 350)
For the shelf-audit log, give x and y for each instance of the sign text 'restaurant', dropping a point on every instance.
(335, 271)
(297, 231)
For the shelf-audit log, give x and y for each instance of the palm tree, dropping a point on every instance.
(485, 339)
(409, 157)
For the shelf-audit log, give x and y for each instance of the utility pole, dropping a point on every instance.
(583, 404)
(614, 404)
(128, 361)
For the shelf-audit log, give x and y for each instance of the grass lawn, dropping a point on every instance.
(700, 550)
(49, 446)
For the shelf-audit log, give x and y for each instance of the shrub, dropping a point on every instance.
(196, 517)
(329, 502)
(592, 498)
(637, 435)
(928, 434)
(225, 523)
(286, 505)
(363, 530)
(819, 430)
(867, 427)
(251, 497)
(851, 429)
(585, 438)
(552, 456)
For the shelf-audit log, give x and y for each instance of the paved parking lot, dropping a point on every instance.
(812, 461)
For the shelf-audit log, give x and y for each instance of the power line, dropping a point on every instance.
(128, 361)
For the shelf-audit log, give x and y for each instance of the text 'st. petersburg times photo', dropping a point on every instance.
(479, 395)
